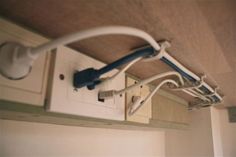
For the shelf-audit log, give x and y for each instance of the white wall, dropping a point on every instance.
(228, 134)
(216, 132)
(25, 139)
(194, 142)
(224, 134)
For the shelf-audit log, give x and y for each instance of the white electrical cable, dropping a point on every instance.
(203, 95)
(148, 80)
(189, 93)
(199, 95)
(179, 65)
(120, 72)
(97, 31)
(16, 59)
(111, 93)
(135, 108)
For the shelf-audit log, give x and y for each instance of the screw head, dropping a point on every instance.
(61, 77)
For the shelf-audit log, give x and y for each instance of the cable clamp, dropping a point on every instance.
(163, 46)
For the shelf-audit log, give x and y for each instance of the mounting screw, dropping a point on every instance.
(62, 77)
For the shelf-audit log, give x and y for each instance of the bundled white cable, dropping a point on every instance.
(112, 93)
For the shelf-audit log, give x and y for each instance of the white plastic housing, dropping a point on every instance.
(31, 89)
(16, 60)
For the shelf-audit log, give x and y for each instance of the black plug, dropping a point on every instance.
(85, 77)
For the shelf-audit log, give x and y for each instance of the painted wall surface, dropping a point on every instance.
(228, 135)
(216, 132)
(224, 134)
(196, 141)
(26, 139)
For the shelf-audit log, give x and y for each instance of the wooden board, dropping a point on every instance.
(22, 112)
(169, 108)
(202, 33)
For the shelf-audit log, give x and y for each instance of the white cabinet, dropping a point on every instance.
(30, 90)
(64, 98)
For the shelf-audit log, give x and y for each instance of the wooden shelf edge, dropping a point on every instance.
(29, 113)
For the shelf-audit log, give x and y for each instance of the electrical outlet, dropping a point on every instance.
(31, 89)
(144, 113)
(64, 98)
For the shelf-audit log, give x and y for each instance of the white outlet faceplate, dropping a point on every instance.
(31, 89)
(64, 98)
(145, 112)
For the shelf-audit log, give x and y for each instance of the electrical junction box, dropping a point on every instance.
(30, 90)
(64, 98)
(145, 112)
